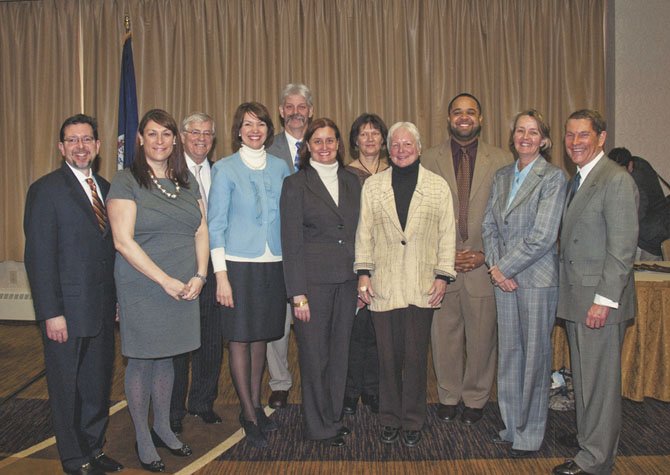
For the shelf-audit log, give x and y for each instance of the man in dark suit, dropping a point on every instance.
(296, 110)
(197, 135)
(463, 335)
(69, 258)
(596, 290)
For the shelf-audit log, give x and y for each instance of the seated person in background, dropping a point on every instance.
(653, 211)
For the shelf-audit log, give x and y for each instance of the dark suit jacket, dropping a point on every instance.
(597, 244)
(279, 148)
(653, 211)
(69, 261)
(318, 236)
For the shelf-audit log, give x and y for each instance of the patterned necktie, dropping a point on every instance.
(575, 186)
(463, 177)
(198, 178)
(296, 159)
(98, 208)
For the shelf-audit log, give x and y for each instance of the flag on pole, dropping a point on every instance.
(127, 108)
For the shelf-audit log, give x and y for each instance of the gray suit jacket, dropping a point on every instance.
(521, 239)
(597, 244)
(280, 148)
(489, 159)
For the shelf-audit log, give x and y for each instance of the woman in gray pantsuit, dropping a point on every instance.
(519, 232)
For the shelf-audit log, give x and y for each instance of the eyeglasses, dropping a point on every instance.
(208, 134)
(86, 140)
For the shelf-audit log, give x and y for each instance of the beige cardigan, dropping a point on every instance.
(403, 264)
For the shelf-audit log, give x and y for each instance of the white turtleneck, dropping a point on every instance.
(328, 175)
(254, 159)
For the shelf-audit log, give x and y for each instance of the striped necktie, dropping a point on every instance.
(296, 159)
(98, 207)
(463, 178)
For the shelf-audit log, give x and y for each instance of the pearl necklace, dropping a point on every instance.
(163, 190)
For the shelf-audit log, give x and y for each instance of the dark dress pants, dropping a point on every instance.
(205, 361)
(79, 375)
(363, 375)
(402, 343)
(323, 351)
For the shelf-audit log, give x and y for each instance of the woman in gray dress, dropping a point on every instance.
(156, 215)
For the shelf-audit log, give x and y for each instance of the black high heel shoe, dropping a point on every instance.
(183, 451)
(155, 466)
(255, 435)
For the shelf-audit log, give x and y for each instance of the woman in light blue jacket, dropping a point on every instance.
(245, 242)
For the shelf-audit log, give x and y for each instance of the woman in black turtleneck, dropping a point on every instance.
(405, 249)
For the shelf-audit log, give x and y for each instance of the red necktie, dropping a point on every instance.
(463, 178)
(98, 208)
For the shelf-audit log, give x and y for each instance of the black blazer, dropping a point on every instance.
(69, 261)
(318, 236)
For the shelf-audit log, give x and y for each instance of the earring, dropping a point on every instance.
(141, 143)
(174, 142)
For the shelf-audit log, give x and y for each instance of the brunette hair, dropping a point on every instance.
(304, 153)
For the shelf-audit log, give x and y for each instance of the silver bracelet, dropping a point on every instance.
(201, 277)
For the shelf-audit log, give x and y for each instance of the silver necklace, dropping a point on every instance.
(163, 190)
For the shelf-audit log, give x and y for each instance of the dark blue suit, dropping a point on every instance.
(70, 266)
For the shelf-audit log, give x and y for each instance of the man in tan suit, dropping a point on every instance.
(463, 335)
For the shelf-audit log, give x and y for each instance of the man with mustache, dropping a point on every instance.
(463, 334)
(296, 109)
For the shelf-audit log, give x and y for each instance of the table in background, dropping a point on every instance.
(645, 357)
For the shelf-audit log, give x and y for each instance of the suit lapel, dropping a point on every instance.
(316, 186)
(415, 201)
(387, 200)
(533, 178)
(78, 194)
(483, 169)
(584, 194)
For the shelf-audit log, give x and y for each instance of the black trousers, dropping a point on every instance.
(402, 342)
(79, 376)
(205, 361)
(363, 374)
(323, 351)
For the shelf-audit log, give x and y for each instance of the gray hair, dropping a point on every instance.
(296, 89)
(197, 117)
(409, 127)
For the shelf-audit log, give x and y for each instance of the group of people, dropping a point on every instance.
(456, 247)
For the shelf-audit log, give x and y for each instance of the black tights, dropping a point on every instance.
(247, 362)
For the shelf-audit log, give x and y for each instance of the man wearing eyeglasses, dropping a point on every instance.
(69, 258)
(296, 110)
(197, 135)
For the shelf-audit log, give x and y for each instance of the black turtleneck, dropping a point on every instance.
(403, 182)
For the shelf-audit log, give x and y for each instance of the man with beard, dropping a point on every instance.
(69, 259)
(463, 334)
(295, 111)
(197, 135)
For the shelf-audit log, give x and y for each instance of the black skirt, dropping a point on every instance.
(259, 296)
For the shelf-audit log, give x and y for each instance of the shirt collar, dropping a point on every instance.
(586, 169)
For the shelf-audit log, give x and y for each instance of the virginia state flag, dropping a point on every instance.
(127, 108)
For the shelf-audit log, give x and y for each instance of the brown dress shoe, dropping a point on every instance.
(278, 399)
(569, 468)
(447, 412)
(471, 415)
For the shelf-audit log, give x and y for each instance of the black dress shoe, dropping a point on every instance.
(86, 469)
(183, 451)
(105, 463)
(471, 415)
(278, 399)
(342, 431)
(372, 401)
(568, 440)
(349, 406)
(155, 466)
(411, 438)
(389, 434)
(498, 441)
(447, 412)
(264, 422)
(519, 454)
(208, 417)
(177, 426)
(335, 441)
(255, 435)
(568, 468)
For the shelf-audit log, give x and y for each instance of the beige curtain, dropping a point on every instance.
(403, 59)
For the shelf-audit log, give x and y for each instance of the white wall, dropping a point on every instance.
(642, 80)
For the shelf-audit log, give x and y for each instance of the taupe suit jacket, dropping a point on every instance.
(597, 244)
(489, 159)
(404, 263)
